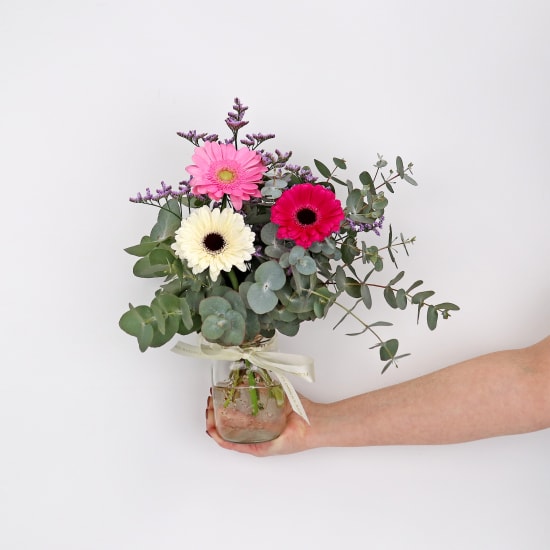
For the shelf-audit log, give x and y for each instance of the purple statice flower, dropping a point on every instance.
(165, 192)
(365, 227)
(275, 160)
(304, 173)
(195, 138)
(238, 111)
(235, 125)
(184, 188)
(254, 140)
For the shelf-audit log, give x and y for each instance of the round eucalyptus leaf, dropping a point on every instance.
(213, 327)
(287, 329)
(243, 290)
(252, 325)
(133, 321)
(261, 298)
(234, 329)
(268, 233)
(316, 247)
(284, 260)
(235, 300)
(274, 250)
(215, 305)
(170, 328)
(271, 275)
(306, 265)
(296, 254)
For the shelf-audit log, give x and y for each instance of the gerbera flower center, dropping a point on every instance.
(226, 175)
(306, 216)
(214, 243)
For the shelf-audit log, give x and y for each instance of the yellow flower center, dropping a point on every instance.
(226, 175)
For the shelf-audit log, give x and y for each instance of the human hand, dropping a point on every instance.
(295, 437)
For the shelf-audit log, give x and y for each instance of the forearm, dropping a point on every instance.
(496, 394)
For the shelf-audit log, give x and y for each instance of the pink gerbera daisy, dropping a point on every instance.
(221, 169)
(306, 214)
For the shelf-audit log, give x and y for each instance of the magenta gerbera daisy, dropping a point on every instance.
(306, 214)
(221, 169)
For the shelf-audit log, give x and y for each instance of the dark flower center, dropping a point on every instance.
(214, 242)
(306, 216)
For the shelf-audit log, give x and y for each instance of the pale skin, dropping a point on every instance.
(501, 393)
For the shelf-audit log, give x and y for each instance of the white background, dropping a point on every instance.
(103, 447)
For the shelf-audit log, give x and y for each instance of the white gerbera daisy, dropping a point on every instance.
(215, 239)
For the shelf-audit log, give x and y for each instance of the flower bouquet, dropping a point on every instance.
(251, 245)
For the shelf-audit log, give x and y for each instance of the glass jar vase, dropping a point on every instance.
(249, 402)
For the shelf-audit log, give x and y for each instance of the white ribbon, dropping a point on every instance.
(279, 363)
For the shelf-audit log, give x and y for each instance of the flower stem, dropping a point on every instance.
(253, 392)
(233, 279)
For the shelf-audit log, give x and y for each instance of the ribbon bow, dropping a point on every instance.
(279, 363)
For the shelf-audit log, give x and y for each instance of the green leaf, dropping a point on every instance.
(366, 296)
(414, 285)
(161, 257)
(296, 254)
(172, 325)
(340, 278)
(367, 181)
(288, 329)
(270, 275)
(410, 180)
(261, 298)
(306, 265)
(215, 305)
(169, 219)
(158, 314)
(431, 317)
(421, 297)
(252, 325)
(399, 167)
(235, 300)
(235, 330)
(388, 349)
(213, 327)
(143, 268)
(397, 278)
(133, 321)
(389, 296)
(447, 306)
(143, 248)
(340, 163)
(390, 242)
(401, 299)
(380, 203)
(349, 250)
(186, 316)
(268, 233)
(353, 287)
(323, 170)
(354, 202)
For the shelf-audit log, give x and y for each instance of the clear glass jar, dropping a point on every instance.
(249, 402)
